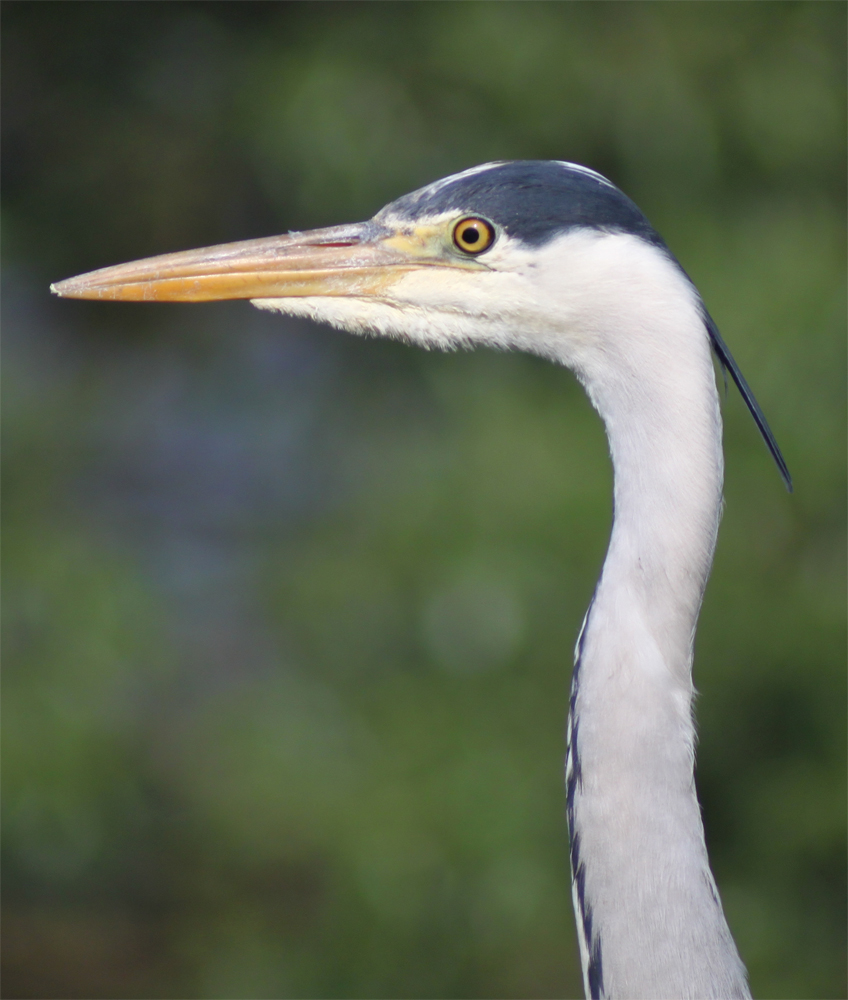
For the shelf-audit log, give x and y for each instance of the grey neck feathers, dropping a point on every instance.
(649, 918)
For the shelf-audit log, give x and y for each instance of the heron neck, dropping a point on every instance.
(650, 920)
(667, 466)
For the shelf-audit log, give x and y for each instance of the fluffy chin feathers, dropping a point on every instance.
(374, 318)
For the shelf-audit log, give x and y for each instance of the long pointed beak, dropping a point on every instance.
(353, 260)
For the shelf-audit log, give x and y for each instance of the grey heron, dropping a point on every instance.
(552, 258)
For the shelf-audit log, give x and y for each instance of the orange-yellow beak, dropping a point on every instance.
(352, 260)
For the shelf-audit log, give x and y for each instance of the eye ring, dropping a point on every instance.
(472, 235)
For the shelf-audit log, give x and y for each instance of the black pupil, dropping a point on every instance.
(471, 234)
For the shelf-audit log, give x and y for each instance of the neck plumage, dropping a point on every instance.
(649, 918)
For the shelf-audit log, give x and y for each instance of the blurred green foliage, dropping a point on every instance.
(288, 616)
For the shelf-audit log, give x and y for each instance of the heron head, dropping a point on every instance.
(543, 256)
(489, 255)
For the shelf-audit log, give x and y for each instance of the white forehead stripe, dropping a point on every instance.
(580, 169)
(436, 186)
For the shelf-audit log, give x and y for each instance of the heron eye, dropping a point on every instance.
(473, 235)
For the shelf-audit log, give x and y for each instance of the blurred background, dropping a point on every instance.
(289, 615)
